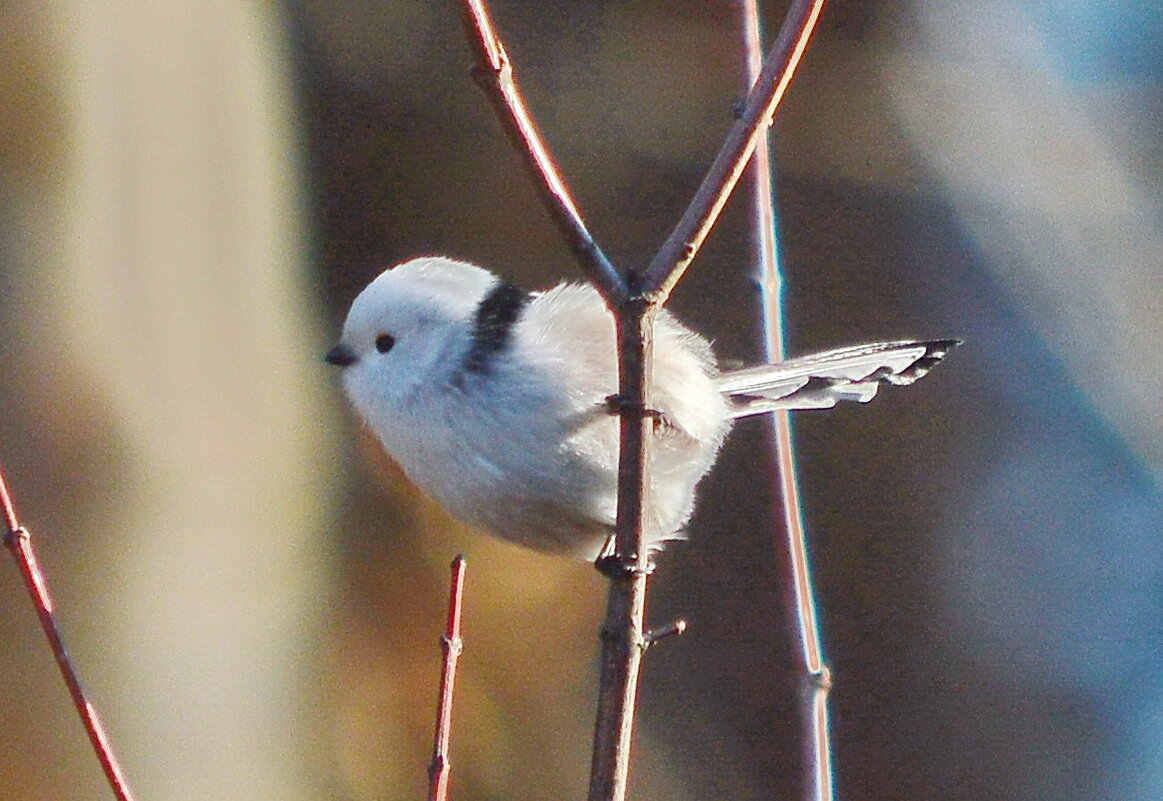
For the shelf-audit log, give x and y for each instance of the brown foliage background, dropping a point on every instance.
(190, 194)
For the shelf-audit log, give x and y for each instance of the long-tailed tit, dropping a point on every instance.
(497, 402)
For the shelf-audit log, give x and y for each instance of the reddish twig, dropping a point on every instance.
(817, 750)
(19, 542)
(451, 645)
(494, 74)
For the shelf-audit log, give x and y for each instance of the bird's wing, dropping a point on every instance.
(820, 380)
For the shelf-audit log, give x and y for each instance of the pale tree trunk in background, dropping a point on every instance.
(162, 267)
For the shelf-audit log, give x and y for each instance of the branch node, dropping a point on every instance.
(634, 285)
(451, 645)
(14, 536)
(819, 680)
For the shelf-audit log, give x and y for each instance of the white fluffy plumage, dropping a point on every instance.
(495, 401)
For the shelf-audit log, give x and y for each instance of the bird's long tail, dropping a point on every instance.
(820, 380)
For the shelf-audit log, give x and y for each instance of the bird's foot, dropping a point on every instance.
(613, 565)
(618, 405)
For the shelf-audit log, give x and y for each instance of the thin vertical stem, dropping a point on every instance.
(815, 702)
(19, 542)
(451, 645)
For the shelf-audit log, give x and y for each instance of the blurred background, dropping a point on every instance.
(192, 192)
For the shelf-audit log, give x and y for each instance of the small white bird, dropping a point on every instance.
(497, 402)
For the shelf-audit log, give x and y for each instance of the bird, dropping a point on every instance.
(501, 403)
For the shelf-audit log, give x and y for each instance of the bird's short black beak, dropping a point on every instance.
(341, 356)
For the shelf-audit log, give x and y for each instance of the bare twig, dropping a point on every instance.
(494, 74)
(634, 302)
(684, 242)
(670, 630)
(19, 542)
(623, 643)
(451, 645)
(817, 750)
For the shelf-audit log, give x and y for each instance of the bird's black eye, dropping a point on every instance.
(385, 342)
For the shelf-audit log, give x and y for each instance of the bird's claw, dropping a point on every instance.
(614, 565)
(618, 405)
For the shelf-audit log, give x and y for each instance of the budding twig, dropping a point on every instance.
(19, 542)
(450, 644)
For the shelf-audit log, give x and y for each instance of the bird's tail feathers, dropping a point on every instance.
(821, 380)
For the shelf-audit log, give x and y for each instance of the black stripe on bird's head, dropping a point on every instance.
(497, 313)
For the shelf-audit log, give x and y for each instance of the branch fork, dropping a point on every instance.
(634, 299)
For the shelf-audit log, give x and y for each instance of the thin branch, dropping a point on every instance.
(670, 630)
(623, 644)
(19, 542)
(817, 749)
(494, 74)
(8, 509)
(451, 645)
(684, 242)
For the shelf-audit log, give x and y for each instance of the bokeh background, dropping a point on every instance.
(191, 193)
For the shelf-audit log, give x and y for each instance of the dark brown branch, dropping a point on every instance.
(623, 640)
(494, 74)
(684, 242)
(450, 644)
(635, 326)
(622, 646)
(19, 542)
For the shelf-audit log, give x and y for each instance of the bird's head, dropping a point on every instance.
(408, 329)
